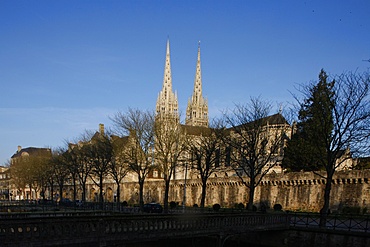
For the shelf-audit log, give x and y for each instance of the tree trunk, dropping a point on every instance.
(101, 197)
(52, 190)
(74, 189)
(118, 194)
(204, 191)
(36, 189)
(325, 209)
(30, 186)
(251, 195)
(141, 195)
(83, 192)
(43, 192)
(166, 193)
(60, 192)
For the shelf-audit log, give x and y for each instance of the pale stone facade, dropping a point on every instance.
(167, 103)
(302, 191)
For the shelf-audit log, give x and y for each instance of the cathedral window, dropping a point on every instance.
(228, 156)
(217, 160)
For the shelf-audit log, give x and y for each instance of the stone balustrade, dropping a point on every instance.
(107, 229)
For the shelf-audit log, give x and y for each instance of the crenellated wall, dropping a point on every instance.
(294, 191)
(304, 191)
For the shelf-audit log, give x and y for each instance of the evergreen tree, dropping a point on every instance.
(335, 116)
(312, 134)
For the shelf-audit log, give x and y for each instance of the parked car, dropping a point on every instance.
(78, 203)
(153, 208)
(45, 202)
(66, 202)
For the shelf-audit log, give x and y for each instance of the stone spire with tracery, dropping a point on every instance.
(197, 110)
(167, 104)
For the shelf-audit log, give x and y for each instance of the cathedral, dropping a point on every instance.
(291, 190)
(197, 118)
(167, 103)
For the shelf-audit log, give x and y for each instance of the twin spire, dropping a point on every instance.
(167, 103)
(197, 110)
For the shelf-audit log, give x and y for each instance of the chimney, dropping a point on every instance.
(101, 129)
(19, 148)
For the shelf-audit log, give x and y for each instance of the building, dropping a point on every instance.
(5, 183)
(20, 188)
(197, 109)
(167, 103)
(30, 151)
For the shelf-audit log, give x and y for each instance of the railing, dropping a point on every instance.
(350, 223)
(42, 206)
(116, 228)
(52, 206)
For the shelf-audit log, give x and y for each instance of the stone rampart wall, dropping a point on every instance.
(294, 191)
(305, 191)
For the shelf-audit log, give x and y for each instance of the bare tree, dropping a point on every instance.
(101, 154)
(80, 161)
(59, 169)
(206, 155)
(41, 171)
(255, 142)
(18, 171)
(71, 163)
(170, 144)
(346, 125)
(138, 126)
(31, 169)
(119, 165)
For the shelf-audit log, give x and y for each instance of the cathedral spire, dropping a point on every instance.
(197, 110)
(197, 91)
(167, 78)
(167, 104)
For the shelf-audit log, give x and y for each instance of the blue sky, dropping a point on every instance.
(66, 66)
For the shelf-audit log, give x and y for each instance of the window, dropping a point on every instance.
(228, 156)
(217, 160)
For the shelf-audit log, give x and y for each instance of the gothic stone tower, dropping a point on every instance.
(167, 104)
(197, 110)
